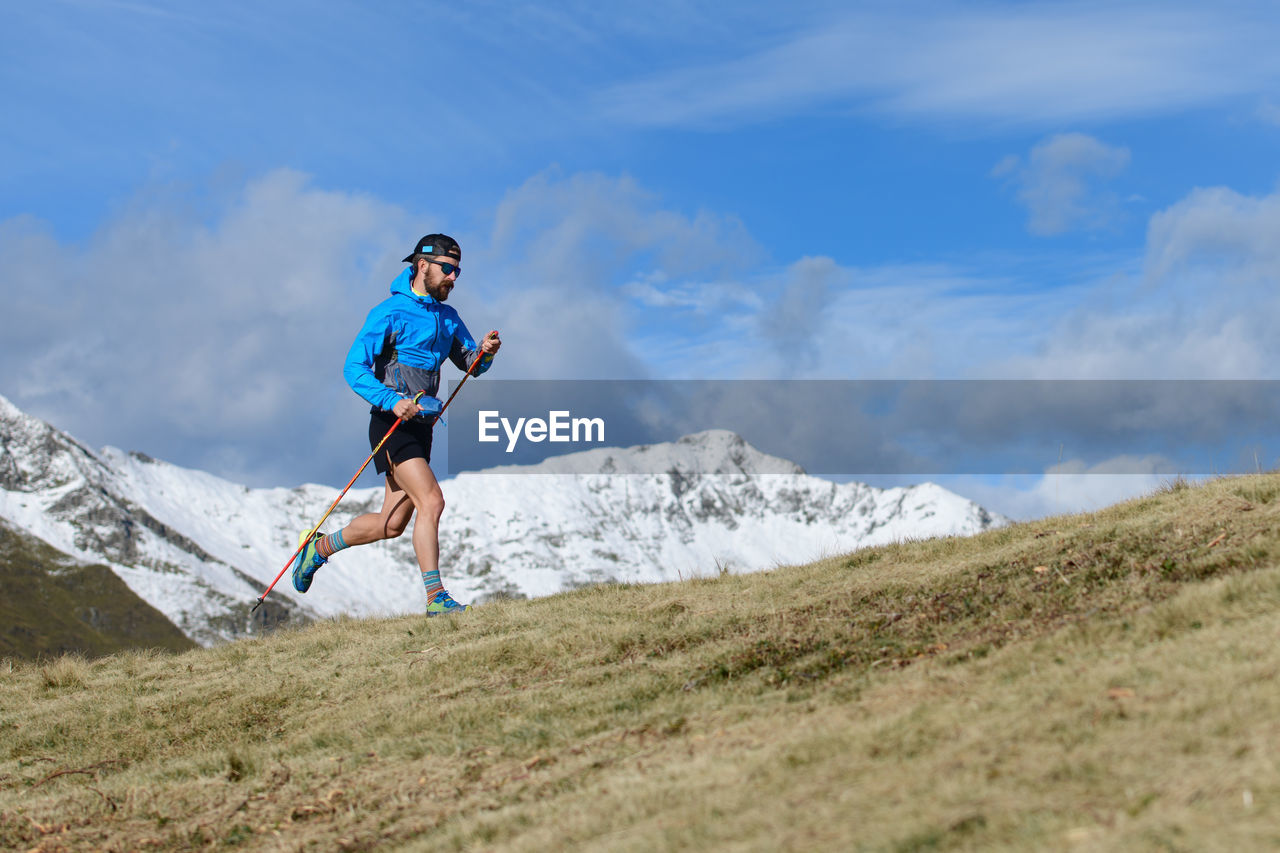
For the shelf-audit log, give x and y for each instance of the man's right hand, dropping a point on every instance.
(405, 409)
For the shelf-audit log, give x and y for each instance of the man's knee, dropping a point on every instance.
(433, 504)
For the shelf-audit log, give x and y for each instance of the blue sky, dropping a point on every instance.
(199, 202)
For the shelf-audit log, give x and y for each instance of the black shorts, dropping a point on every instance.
(411, 440)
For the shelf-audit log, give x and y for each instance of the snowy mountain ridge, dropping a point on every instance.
(201, 549)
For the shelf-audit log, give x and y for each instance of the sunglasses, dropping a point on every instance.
(447, 269)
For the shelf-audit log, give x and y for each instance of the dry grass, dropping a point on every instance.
(1100, 681)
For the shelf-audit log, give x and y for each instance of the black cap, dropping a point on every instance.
(436, 244)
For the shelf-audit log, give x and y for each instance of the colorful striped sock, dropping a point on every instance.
(431, 580)
(331, 544)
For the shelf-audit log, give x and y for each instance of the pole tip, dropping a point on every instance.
(255, 607)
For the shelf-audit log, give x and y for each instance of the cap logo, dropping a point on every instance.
(428, 250)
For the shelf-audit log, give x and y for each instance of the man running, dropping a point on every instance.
(396, 355)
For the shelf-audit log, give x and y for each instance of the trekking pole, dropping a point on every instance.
(460, 384)
(334, 505)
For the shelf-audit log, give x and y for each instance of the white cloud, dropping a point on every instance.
(1197, 302)
(569, 259)
(930, 321)
(798, 313)
(1037, 63)
(1059, 182)
(658, 289)
(182, 336)
(1069, 487)
(1202, 306)
(1215, 231)
(1075, 487)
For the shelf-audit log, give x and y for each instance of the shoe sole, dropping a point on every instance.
(434, 613)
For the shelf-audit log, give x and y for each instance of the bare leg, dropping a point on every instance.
(390, 522)
(415, 477)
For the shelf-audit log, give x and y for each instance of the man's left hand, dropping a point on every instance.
(491, 343)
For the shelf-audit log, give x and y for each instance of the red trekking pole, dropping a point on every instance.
(334, 505)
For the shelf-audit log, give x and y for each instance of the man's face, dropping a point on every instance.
(434, 281)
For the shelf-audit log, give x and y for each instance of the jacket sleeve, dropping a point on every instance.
(465, 351)
(358, 369)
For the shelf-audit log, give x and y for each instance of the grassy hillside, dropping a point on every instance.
(51, 604)
(1101, 682)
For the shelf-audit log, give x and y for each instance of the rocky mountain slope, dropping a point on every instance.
(52, 604)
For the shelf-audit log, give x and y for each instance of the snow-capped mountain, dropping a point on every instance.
(83, 504)
(201, 549)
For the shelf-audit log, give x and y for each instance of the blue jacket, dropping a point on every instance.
(402, 344)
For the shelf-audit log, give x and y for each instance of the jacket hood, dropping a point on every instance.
(403, 285)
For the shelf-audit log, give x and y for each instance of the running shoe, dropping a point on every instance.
(444, 603)
(308, 561)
